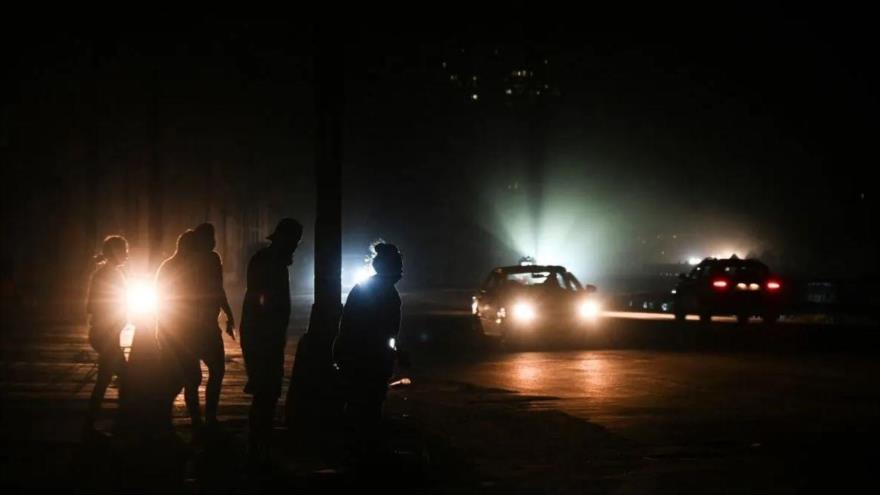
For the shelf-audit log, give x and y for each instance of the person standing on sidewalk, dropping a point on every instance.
(365, 348)
(265, 315)
(209, 298)
(106, 307)
(177, 322)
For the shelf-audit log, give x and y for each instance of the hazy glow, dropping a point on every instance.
(141, 298)
(363, 273)
(558, 222)
(590, 309)
(523, 311)
(694, 261)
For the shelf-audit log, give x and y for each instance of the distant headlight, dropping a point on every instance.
(589, 309)
(523, 311)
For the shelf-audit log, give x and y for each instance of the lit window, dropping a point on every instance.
(475, 97)
(508, 91)
(444, 65)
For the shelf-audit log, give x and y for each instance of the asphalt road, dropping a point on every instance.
(790, 407)
(707, 408)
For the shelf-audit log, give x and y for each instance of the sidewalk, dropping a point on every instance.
(444, 437)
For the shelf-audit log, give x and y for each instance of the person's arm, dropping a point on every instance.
(221, 296)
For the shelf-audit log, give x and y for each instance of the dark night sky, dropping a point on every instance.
(757, 120)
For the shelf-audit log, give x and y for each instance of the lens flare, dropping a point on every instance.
(590, 309)
(523, 311)
(142, 298)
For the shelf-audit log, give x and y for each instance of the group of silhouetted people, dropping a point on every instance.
(192, 296)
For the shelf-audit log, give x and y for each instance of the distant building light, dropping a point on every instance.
(546, 61)
(693, 261)
(475, 97)
(475, 78)
(453, 77)
(508, 91)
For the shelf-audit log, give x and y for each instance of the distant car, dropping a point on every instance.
(528, 300)
(729, 287)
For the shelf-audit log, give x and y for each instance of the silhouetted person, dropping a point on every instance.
(264, 318)
(207, 342)
(106, 307)
(176, 283)
(364, 350)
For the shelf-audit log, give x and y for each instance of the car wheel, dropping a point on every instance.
(477, 326)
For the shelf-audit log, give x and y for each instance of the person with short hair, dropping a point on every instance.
(365, 348)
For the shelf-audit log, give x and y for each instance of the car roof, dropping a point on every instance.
(734, 262)
(529, 269)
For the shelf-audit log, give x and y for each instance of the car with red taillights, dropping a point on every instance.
(729, 287)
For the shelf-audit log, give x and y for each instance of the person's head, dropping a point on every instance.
(387, 262)
(287, 234)
(187, 243)
(204, 237)
(114, 250)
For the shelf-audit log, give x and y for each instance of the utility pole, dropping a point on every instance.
(311, 398)
(155, 191)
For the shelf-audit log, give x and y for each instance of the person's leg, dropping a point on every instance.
(192, 378)
(260, 420)
(102, 381)
(215, 359)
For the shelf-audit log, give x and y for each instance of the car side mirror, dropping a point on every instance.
(590, 288)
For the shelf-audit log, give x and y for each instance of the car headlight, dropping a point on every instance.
(523, 311)
(141, 298)
(589, 309)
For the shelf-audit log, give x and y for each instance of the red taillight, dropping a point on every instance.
(773, 286)
(720, 284)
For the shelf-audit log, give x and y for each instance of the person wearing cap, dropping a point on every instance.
(365, 348)
(263, 330)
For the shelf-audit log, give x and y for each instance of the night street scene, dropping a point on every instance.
(513, 248)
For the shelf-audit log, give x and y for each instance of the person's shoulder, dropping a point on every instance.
(213, 257)
(103, 270)
(261, 257)
(261, 254)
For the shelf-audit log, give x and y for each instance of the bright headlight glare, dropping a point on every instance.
(589, 309)
(523, 311)
(141, 298)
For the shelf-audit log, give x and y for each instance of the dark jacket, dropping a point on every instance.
(371, 318)
(264, 318)
(106, 306)
(209, 292)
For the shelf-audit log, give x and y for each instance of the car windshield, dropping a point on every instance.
(548, 279)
